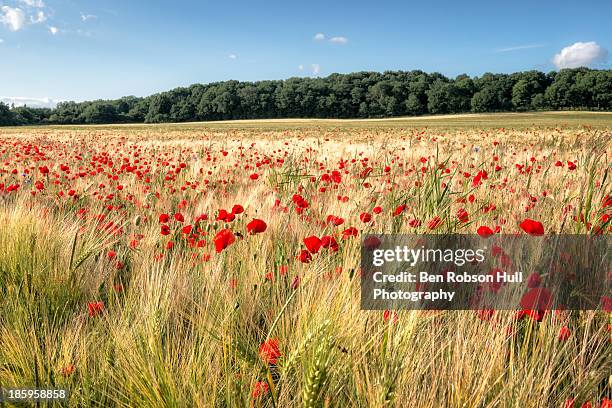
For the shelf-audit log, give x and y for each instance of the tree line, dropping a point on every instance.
(355, 95)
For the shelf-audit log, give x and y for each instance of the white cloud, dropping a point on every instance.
(1, 40)
(86, 17)
(580, 54)
(232, 56)
(300, 67)
(520, 47)
(319, 37)
(338, 40)
(316, 69)
(13, 18)
(32, 102)
(39, 17)
(53, 30)
(33, 3)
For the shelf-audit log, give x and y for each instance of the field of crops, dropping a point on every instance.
(208, 266)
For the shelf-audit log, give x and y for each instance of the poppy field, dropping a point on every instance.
(193, 266)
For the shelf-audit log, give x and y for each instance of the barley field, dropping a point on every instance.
(217, 265)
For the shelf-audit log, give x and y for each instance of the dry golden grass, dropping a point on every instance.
(183, 326)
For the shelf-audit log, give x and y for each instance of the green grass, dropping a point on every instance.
(441, 122)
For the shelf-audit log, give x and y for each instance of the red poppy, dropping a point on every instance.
(462, 215)
(365, 217)
(414, 223)
(484, 231)
(95, 308)
(329, 242)
(237, 209)
(261, 388)
(400, 209)
(68, 370)
(313, 244)
(223, 239)
(179, 217)
(165, 230)
(534, 280)
(564, 333)
(256, 226)
(434, 223)
(269, 351)
(371, 242)
(335, 220)
(389, 315)
(349, 232)
(532, 227)
(536, 299)
(304, 256)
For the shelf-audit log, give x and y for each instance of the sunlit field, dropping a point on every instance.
(218, 265)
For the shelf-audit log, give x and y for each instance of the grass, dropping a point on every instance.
(556, 119)
(185, 325)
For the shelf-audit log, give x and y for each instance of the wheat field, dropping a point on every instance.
(167, 266)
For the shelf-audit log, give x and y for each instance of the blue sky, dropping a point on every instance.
(85, 49)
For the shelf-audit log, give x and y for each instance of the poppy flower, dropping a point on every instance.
(179, 217)
(335, 220)
(434, 223)
(349, 232)
(414, 223)
(482, 175)
(536, 315)
(223, 215)
(606, 304)
(237, 209)
(261, 388)
(299, 201)
(462, 215)
(165, 230)
(313, 244)
(400, 209)
(564, 333)
(484, 231)
(536, 299)
(269, 351)
(534, 280)
(389, 315)
(256, 226)
(329, 242)
(95, 308)
(532, 227)
(223, 239)
(304, 256)
(371, 242)
(67, 370)
(365, 217)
